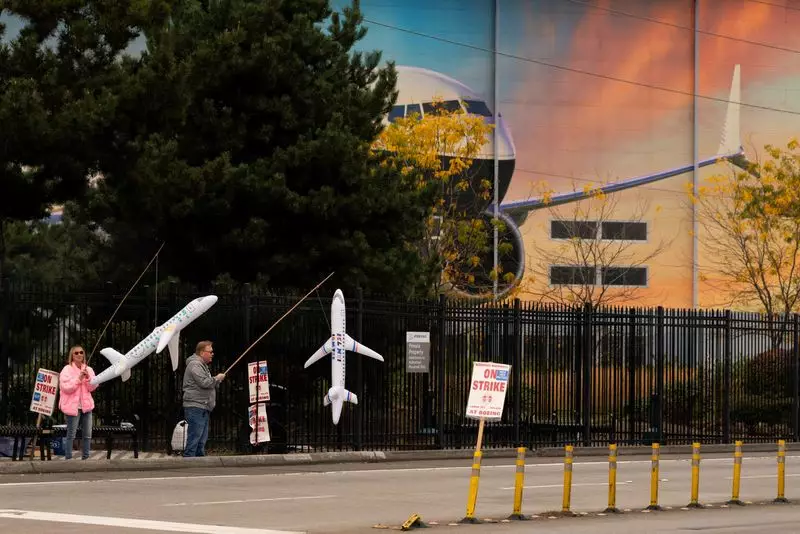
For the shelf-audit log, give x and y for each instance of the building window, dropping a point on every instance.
(573, 229)
(396, 112)
(564, 275)
(561, 275)
(625, 276)
(629, 231)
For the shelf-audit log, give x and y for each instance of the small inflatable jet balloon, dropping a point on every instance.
(336, 345)
(165, 335)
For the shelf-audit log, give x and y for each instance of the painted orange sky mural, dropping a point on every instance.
(603, 90)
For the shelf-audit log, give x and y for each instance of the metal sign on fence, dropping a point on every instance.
(43, 401)
(418, 352)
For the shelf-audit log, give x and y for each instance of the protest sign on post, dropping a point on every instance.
(43, 400)
(487, 396)
(45, 389)
(258, 381)
(487, 393)
(260, 433)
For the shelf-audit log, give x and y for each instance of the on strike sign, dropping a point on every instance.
(258, 380)
(487, 392)
(44, 392)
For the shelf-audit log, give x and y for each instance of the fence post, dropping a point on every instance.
(726, 381)
(172, 386)
(5, 316)
(660, 374)
(144, 422)
(359, 370)
(441, 368)
(587, 352)
(632, 378)
(796, 377)
(517, 366)
(246, 297)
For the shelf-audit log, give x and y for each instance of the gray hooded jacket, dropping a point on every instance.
(199, 387)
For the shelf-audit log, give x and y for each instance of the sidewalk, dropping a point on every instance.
(124, 461)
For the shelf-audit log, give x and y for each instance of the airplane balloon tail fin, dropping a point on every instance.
(350, 397)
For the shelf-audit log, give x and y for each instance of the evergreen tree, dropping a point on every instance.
(59, 79)
(248, 151)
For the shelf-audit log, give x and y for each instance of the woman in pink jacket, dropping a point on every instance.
(76, 400)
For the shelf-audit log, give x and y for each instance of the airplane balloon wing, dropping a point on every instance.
(173, 346)
(166, 336)
(322, 351)
(351, 345)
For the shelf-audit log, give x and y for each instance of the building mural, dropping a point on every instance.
(602, 91)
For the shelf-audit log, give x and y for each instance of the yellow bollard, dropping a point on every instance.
(567, 479)
(654, 478)
(612, 480)
(519, 484)
(472, 499)
(781, 498)
(695, 477)
(737, 474)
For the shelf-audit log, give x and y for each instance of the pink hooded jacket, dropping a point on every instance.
(75, 393)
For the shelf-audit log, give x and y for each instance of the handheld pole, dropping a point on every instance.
(612, 480)
(781, 498)
(278, 321)
(695, 477)
(474, 480)
(120, 303)
(737, 475)
(654, 478)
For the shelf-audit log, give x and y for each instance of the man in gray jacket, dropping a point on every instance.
(199, 397)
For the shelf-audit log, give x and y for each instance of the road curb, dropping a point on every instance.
(170, 463)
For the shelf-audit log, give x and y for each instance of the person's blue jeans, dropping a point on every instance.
(197, 433)
(85, 420)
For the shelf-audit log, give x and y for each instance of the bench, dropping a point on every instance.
(20, 433)
(531, 432)
(45, 434)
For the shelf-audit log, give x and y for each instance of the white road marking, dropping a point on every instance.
(251, 500)
(573, 485)
(554, 465)
(142, 524)
(765, 476)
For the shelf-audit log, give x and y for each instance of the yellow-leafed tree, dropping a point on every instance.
(440, 148)
(750, 221)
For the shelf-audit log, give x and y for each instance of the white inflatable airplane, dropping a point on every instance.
(165, 335)
(337, 344)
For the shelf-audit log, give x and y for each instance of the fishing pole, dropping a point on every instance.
(278, 321)
(123, 300)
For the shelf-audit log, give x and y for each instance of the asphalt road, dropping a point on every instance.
(354, 498)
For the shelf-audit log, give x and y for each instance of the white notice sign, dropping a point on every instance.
(487, 391)
(44, 392)
(260, 383)
(262, 432)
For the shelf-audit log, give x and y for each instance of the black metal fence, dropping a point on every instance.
(579, 375)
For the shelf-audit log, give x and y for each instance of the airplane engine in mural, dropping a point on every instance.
(420, 91)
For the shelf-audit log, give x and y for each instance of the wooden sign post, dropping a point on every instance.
(487, 396)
